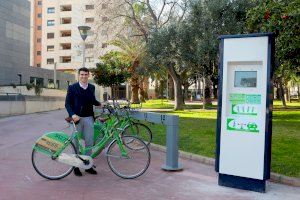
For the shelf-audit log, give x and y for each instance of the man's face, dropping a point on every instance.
(83, 77)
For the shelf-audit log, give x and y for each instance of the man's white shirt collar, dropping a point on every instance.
(83, 86)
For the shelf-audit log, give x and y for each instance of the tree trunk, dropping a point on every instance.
(156, 89)
(177, 88)
(288, 94)
(143, 88)
(141, 91)
(134, 83)
(146, 87)
(281, 93)
(185, 90)
(162, 85)
(277, 92)
(207, 92)
(171, 87)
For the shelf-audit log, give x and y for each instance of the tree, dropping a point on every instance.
(131, 51)
(111, 71)
(209, 19)
(167, 46)
(141, 19)
(282, 18)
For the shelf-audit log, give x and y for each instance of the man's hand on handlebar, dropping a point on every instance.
(75, 118)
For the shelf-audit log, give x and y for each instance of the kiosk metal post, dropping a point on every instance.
(244, 124)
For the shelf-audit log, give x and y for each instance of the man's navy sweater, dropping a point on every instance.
(80, 101)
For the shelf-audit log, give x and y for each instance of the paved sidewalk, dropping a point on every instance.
(18, 180)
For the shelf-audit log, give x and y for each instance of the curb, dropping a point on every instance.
(276, 178)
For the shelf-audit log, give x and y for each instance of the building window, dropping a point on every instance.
(38, 53)
(39, 3)
(38, 65)
(66, 20)
(89, 59)
(65, 59)
(104, 6)
(39, 40)
(37, 81)
(104, 19)
(104, 45)
(50, 61)
(50, 48)
(89, 20)
(89, 46)
(39, 27)
(39, 15)
(51, 10)
(50, 35)
(89, 7)
(66, 33)
(64, 8)
(65, 46)
(50, 22)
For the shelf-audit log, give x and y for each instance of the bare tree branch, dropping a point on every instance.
(170, 14)
(140, 27)
(154, 17)
(162, 9)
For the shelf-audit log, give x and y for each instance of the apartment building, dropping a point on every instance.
(15, 49)
(55, 37)
(61, 42)
(56, 41)
(36, 33)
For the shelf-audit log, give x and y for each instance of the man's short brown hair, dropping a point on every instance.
(83, 69)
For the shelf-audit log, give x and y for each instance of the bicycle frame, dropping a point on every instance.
(125, 121)
(111, 133)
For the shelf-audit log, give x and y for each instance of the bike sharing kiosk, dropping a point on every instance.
(244, 124)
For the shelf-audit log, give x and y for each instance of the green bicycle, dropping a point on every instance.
(128, 124)
(54, 155)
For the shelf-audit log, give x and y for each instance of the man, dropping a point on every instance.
(79, 104)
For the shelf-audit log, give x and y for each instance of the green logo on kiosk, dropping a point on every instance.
(242, 125)
(245, 104)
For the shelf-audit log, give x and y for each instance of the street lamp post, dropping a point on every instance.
(83, 30)
(54, 76)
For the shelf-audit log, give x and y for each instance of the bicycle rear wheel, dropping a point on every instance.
(134, 164)
(139, 130)
(50, 168)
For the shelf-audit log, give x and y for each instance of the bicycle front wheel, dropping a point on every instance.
(139, 130)
(134, 164)
(50, 168)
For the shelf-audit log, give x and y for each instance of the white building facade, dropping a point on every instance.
(61, 41)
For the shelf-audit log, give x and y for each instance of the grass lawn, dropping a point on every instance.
(198, 128)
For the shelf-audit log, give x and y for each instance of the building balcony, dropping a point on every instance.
(65, 8)
(65, 46)
(65, 59)
(66, 20)
(66, 33)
